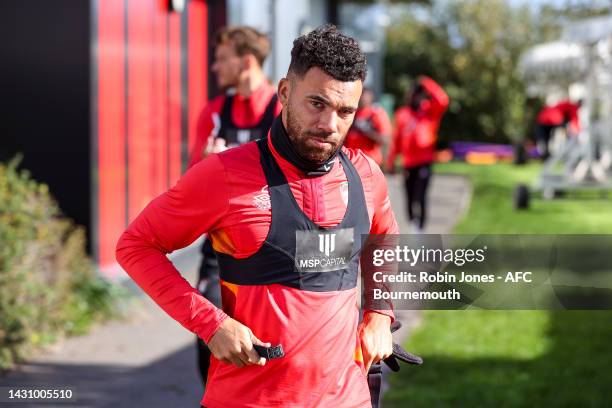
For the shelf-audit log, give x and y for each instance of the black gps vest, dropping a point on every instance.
(236, 136)
(297, 252)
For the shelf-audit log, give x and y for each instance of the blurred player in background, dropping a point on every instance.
(414, 138)
(551, 117)
(371, 128)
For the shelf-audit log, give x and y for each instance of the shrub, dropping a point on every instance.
(48, 285)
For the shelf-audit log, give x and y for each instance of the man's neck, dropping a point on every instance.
(283, 145)
(250, 83)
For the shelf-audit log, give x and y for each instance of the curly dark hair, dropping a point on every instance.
(329, 49)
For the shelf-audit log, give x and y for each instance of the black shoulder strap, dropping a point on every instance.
(226, 111)
(274, 174)
(269, 115)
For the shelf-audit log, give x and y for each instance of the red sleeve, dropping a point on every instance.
(205, 127)
(171, 221)
(571, 114)
(381, 122)
(574, 121)
(383, 219)
(396, 139)
(439, 98)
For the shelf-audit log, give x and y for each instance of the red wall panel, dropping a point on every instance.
(140, 84)
(174, 96)
(111, 121)
(151, 88)
(159, 113)
(198, 45)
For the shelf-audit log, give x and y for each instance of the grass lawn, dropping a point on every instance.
(491, 209)
(512, 358)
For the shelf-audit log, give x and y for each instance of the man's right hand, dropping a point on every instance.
(233, 343)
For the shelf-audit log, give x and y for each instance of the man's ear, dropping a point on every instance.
(249, 61)
(284, 89)
(245, 63)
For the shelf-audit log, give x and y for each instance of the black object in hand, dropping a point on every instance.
(270, 353)
(400, 354)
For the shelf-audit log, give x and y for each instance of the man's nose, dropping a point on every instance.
(328, 122)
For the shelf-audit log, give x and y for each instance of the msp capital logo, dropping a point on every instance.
(323, 251)
(327, 243)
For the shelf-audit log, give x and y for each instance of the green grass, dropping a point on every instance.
(512, 358)
(491, 209)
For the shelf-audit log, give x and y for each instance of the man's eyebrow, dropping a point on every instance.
(319, 98)
(326, 101)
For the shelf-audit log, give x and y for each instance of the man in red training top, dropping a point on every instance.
(564, 113)
(415, 136)
(246, 112)
(285, 215)
(229, 120)
(371, 128)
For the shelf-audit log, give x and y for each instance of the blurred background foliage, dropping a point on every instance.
(48, 287)
(472, 48)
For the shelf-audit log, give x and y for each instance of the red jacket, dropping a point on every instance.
(226, 196)
(559, 114)
(246, 112)
(416, 132)
(379, 121)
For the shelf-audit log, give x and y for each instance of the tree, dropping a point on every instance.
(472, 48)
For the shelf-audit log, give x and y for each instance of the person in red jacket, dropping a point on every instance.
(244, 113)
(415, 136)
(564, 113)
(285, 216)
(371, 128)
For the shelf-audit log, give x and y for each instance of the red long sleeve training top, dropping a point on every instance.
(226, 196)
(416, 133)
(557, 115)
(380, 122)
(246, 112)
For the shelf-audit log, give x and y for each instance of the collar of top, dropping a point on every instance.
(282, 144)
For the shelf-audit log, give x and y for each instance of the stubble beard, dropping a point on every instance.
(298, 137)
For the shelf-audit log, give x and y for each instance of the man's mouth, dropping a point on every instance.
(321, 143)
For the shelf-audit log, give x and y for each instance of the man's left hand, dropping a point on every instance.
(375, 337)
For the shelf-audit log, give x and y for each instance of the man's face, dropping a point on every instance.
(227, 65)
(318, 111)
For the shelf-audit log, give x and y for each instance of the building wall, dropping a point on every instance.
(283, 21)
(102, 98)
(44, 82)
(149, 82)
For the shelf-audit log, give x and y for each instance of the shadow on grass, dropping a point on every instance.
(575, 371)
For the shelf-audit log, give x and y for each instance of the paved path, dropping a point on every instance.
(449, 197)
(149, 360)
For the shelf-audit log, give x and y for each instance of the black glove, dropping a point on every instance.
(400, 354)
